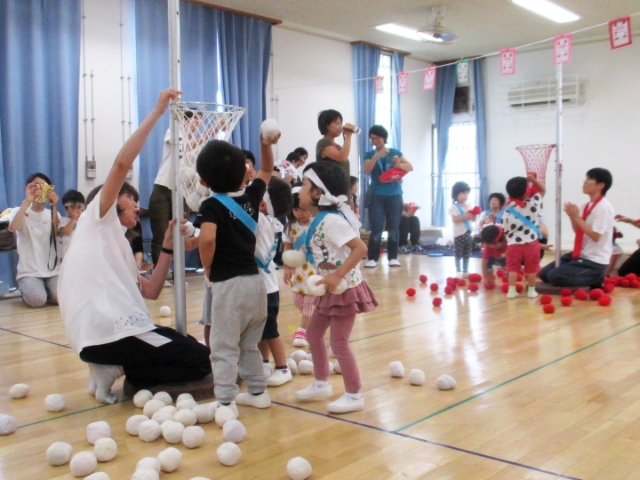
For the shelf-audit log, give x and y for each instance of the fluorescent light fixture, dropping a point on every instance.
(548, 10)
(400, 30)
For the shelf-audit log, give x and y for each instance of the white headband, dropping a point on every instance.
(267, 200)
(341, 201)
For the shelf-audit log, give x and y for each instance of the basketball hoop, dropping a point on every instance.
(535, 159)
(199, 123)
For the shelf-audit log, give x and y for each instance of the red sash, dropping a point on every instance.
(577, 243)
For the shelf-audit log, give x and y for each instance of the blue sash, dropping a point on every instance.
(499, 216)
(312, 229)
(461, 212)
(524, 220)
(265, 265)
(299, 242)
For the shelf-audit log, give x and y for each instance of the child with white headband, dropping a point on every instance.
(334, 247)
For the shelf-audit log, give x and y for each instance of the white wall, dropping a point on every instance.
(601, 133)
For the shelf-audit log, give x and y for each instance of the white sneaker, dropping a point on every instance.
(512, 294)
(232, 406)
(314, 392)
(371, 264)
(300, 339)
(258, 401)
(393, 263)
(279, 377)
(346, 404)
(531, 293)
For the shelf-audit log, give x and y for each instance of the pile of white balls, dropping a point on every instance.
(301, 362)
(417, 376)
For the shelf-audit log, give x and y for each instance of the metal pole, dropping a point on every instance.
(558, 163)
(176, 196)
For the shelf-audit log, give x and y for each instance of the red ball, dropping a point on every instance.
(411, 292)
(624, 283)
(453, 286)
(448, 290)
(548, 308)
(580, 294)
(634, 284)
(608, 287)
(519, 287)
(475, 277)
(437, 302)
(500, 273)
(434, 287)
(631, 276)
(604, 300)
(473, 287)
(489, 285)
(504, 287)
(451, 280)
(461, 282)
(476, 210)
(546, 299)
(566, 301)
(565, 292)
(520, 277)
(596, 293)
(423, 279)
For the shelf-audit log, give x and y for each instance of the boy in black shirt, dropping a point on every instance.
(227, 246)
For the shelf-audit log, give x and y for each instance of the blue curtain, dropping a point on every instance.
(39, 72)
(481, 129)
(366, 60)
(446, 80)
(398, 66)
(245, 51)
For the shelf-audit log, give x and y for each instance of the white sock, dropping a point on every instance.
(354, 396)
(104, 377)
(320, 383)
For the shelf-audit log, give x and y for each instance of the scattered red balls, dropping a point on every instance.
(489, 285)
(624, 283)
(423, 279)
(475, 277)
(519, 287)
(596, 293)
(566, 301)
(461, 282)
(451, 280)
(548, 308)
(434, 287)
(631, 276)
(411, 292)
(565, 292)
(473, 287)
(504, 287)
(500, 273)
(608, 287)
(448, 290)
(604, 300)
(546, 299)
(580, 294)
(437, 302)
(634, 284)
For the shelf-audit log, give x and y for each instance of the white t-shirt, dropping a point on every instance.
(98, 290)
(328, 246)
(164, 176)
(601, 221)
(265, 249)
(459, 228)
(64, 240)
(300, 275)
(33, 240)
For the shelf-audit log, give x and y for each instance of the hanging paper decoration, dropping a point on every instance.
(379, 85)
(429, 81)
(463, 72)
(508, 61)
(620, 32)
(562, 48)
(403, 82)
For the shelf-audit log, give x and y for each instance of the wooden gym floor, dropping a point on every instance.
(538, 396)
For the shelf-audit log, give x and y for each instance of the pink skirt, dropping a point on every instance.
(354, 300)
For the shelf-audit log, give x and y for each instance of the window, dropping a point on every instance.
(383, 100)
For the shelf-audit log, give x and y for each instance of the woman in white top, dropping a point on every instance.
(102, 296)
(35, 227)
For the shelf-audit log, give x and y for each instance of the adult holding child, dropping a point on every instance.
(327, 150)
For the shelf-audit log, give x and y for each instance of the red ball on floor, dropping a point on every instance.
(489, 285)
(504, 287)
(411, 292)
(608, 287)
(423, 279)
(634, 284)
(519, 287)
(546, 299)
(548, 308)
(624, 283)
(565, 292)
(604, 300)
(448, 290)
(434, 287)
(473, 287)
(631, 276)
(566, 301)
(500, 273)
(461, 282)
(580, 294)
(437, 302)
(475, 277)
(596, 293)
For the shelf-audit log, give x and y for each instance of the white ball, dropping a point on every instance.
(58, 453)
(445, 382)
(162, 416)
(169, 409)
(19, 390)
(54, 402)
(141, 398)
(337, 368)
(83, 464)
(224, 414)
(416, 377)
(298, 355)
(186, 417)
(145, 474)
(133, 424)
(396, 369)
(294, 258)
(97, 476)
(105, 449)
(193, 437)
(293, 366)
(152, 406)
(172, 431)
(164, 397)
(298, 468)
(165, 311)
(8, 424)
(314, 288)
(98, 430)
(149, 462)
(202, 190)
(310, 357)
(342, 286)
(187, 403)
(170, 459)
(269, 129)
(184, 396)
(149, 431)
(305, 367)
(234, 431)
(205, 413)
(228, 454)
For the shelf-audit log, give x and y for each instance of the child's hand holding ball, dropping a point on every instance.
(269, 132)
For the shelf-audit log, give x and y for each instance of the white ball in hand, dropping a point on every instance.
(298, 468)
(294, 258)
(396, 369)
(269, 129)
(165, 311)
(54, 402)
(19, 390)
(446, 382)
(416, 377)
(228, 454)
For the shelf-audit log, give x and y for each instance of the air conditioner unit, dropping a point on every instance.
(543, 93)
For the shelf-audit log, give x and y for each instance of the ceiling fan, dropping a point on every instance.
(435, 30)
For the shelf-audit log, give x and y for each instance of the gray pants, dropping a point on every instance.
(37, 291)
(239, 307)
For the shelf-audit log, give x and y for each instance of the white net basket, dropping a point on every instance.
(199, 123)
(536, 158)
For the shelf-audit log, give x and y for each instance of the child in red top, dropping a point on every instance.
(494, 252)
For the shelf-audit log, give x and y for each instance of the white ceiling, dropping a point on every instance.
(482, 26)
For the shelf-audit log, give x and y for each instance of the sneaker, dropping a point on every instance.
(531, 293)
(232, 406)
(393, 263)
(300, 339)
(279, 377)
(314, 392)
(513, 295)
(346, 404)
(258, 401)
(371, 264)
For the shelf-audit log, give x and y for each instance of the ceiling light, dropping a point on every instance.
(400, 30)
(548, 10)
